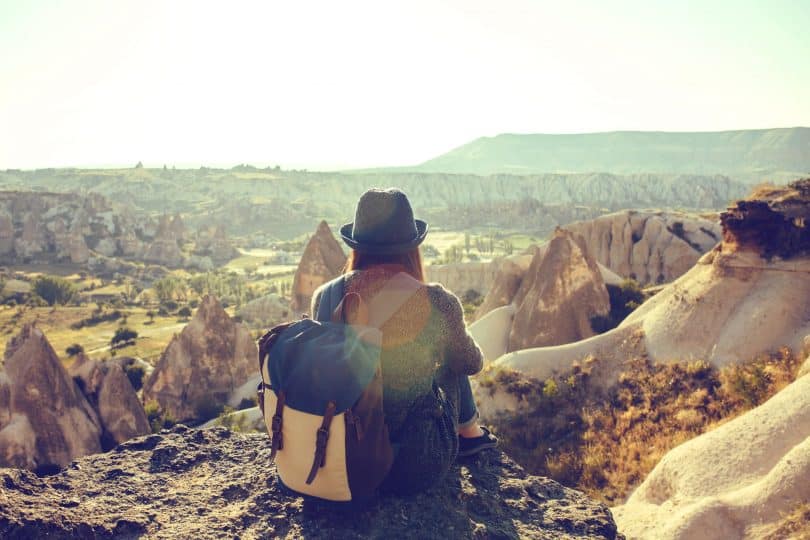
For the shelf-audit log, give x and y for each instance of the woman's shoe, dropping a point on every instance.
(468, 446)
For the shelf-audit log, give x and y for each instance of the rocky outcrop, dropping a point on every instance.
(213, 242)
(772, 222)
(732, 306)
(164, 249)
(214, 483)
(650, 247)
(107, 388)
(562, 290)
(178, 228)
(203, 364)
(323, 259)
(266, 311)
(45, 420)
(6, 234)
(506, 283)
(735, 481)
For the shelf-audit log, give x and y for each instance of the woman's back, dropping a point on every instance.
(423, 338)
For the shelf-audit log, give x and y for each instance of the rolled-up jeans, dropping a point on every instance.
(467, 411)
(458, 392)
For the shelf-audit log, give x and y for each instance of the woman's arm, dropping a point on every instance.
(463, 354)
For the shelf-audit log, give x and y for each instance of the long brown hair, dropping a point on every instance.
(409, 262)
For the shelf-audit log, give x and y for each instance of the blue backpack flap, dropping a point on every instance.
(315, 362)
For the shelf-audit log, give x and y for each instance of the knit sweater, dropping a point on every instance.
(426, 351)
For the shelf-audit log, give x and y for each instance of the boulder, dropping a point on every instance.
(109, 392)
(202, 365)
(45, 420)
(214, 483)
(323, 259)
(562, 290)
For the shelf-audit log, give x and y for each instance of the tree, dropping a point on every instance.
(151, 314)
(123, 337)
(54, 290)
(184, 312)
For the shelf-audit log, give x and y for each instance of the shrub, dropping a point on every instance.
(135, 374)
(158, 419)
(234, 422)
(247, 403)
(606, 441)
(184, 312)
(54, 290)
(624, 299)
(123, 337)
(74, 349)
(208, 409)
(97, 317)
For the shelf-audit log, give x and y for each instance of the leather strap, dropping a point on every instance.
(322, 437)
(276, 425)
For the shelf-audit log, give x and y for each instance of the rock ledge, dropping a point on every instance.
(215, 483)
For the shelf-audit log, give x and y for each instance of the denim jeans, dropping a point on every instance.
(467, 412)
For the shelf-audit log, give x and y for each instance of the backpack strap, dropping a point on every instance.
(276, 424)
(330, 298)
(321, 439)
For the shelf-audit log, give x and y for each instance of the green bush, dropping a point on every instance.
(135, 374)
(74, 349)
(624, 299)
(157, 418)
(123, 337)
(54, 290)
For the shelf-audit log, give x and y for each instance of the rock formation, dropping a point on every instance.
(266, 311)
(772, 222)
(461, 277)
(323, 259)
(735, 481)
(203, 364)
(45, 421)
(164, 249)
(107, 388)
(732, 306)
(6, 234)
(178, 228)
(650, 247)
(213, 483)
(562, 290)
(504, 287)
(213, 243)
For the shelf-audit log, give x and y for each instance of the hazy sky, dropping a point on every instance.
(353, 84)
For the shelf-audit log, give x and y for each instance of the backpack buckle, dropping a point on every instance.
(322, 437)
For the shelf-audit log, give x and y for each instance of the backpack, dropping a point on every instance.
(321, 396)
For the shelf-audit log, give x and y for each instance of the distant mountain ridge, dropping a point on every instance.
(749, 155)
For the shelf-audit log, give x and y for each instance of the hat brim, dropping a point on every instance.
(384, 249)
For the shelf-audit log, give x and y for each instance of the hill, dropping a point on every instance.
(749, 155)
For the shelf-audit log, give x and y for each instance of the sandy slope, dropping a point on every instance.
(730, 482)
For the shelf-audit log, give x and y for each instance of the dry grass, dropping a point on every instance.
(794, 526)
(606, 442)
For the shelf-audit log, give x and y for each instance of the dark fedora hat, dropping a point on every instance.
(384, 224)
